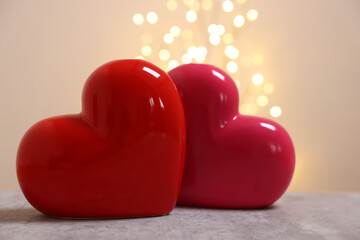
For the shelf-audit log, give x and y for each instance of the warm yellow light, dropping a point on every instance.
(168, 38)
(252, 14)
(138, 19)
(206, 4)
(231, 52)
(186, 58)
(188, 2)
(195, 5)
(275, 111)
(262, 101)
(175, 31)
(191, 16)
(164, 54)
(212, 29)
(257, 59)
(192, 51)
(173, 64)
(198, 53)
(152, 17)
(228, 38)
(146, 38)
(228, 6)
(243, 109)
(237, 83)
(214, 39)
(146, 50)
(220, 29)
(246, 60)
(269, 88)
(241, 1)
(249, 108)
(239, 21)
(252, 108)
(258, 79)
(199, 58)
(187, 34)
(139, 57)
(232, 67)
(171, 5)
(202, 50)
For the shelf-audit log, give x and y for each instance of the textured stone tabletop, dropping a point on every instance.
(294, 216)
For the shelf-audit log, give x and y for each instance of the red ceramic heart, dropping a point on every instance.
(232, 160)
(122, 156)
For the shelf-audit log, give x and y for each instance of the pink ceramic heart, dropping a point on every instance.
(232, 160)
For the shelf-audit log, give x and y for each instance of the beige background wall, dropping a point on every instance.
(311, 49)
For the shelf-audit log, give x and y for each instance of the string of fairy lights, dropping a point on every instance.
(187, 42)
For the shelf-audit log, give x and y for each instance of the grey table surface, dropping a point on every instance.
(294, 216)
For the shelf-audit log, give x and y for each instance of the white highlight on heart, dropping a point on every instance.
(268, 126)
(152, 72)
(219, 75)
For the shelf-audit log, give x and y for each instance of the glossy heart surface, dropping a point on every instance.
(232, 160)
(122, 156)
